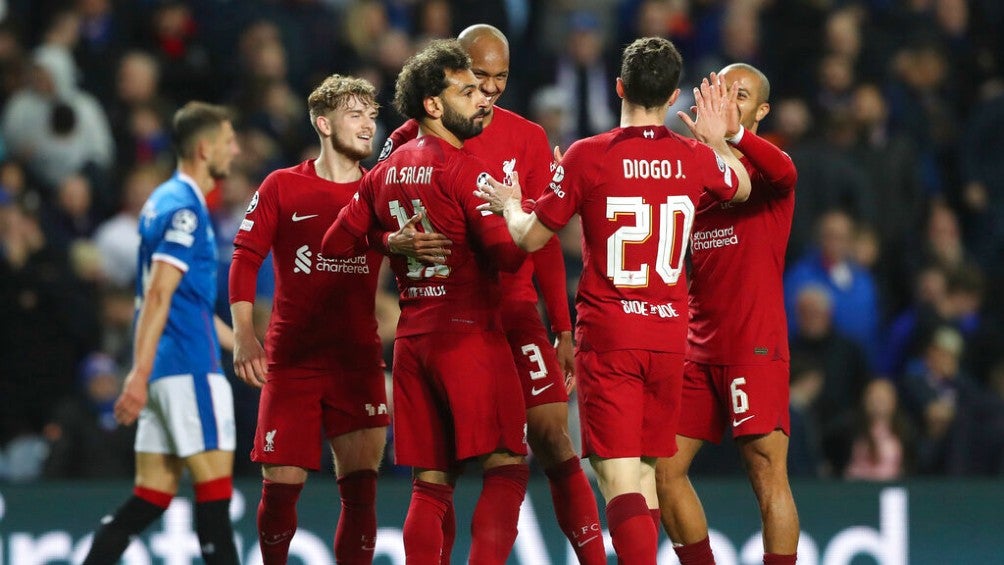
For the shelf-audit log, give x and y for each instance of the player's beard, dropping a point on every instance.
(458, 125)
(349, 150)
(218, 173)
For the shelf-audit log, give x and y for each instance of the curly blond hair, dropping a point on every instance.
(336, 91)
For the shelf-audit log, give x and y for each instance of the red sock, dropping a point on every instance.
(656, 519)
(423, 526)
(449, 535)
(493, 528)
(277, 520)
(777, 559)
(632, 530)
(355, 536)
(575, 508)
(697, 553)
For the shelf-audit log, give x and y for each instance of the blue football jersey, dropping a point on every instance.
(175, 228)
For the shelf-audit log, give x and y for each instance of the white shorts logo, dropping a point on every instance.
(270, 441)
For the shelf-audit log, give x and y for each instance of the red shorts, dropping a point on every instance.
(540, 373)
(629, 402)
(456, 396)
(752, 399)
(296, 412)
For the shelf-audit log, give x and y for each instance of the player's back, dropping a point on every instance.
(636, 189)
(430, 176)
(175, 228)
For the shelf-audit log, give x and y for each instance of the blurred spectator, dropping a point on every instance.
(71, 215)
(840, 359)
(103, 35)
(117, 238)
(882, 444)
(549, 108)
(582, 72)
(938, 394)
(852, 288)
(184, 60)
(805, 458)
(85, 441)
(982, 171)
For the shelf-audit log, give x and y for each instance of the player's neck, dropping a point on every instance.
(633, 115)
(198, 173)
(488, 119)
(333, 166)
(436, 128)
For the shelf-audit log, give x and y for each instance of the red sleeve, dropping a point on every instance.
(346, 237)
(549, 268)
(719, 178)
(243, 278)
(257, 231)
(565, 189)
(775, 165)
(405, 133)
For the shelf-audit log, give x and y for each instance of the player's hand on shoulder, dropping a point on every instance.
(250, 363)
(497, 194)
(428, 247)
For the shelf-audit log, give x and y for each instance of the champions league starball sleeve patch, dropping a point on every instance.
(183, 224)
(253, 204)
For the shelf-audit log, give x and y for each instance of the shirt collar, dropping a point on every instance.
(194, 186)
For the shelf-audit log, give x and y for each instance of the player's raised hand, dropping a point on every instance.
(250, 363)
(712, 104)
(132, 400)
(497, 195)
(428, 247)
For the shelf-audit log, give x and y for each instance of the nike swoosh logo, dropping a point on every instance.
(735, 423)
(300, 218)
(587, 540)
(536, 391)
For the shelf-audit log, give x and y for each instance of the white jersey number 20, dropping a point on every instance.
(669, 262)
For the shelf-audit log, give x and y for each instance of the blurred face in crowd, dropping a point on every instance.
(880, 400)
(814, 312)
(836, 236)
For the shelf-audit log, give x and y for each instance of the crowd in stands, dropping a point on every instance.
(892, 111)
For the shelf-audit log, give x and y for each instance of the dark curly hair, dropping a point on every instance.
(650, 71)
(424, 75)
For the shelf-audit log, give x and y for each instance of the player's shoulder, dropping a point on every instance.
(173, 194)
(514, 121)
(280, 177)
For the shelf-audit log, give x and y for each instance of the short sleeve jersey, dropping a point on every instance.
(510, 143)
(636, 190)
(429, 175)
(174, 228)
(736, 300)
(323, 311)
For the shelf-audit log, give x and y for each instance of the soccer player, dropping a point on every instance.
(176, 388)
(323, 372)
(636, 188)
(510, 143)
(737, 364)
(456, 393)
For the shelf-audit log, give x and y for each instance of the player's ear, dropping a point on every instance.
(323, 125)
(762, 111)
(673, 97)
(620, 87)
(433, 106)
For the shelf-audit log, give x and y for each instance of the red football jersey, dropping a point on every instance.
(513, 143)
(637, 190)
(430, 175)
(323, 309)
(736, 296)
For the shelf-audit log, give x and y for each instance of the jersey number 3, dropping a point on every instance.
(676, 217)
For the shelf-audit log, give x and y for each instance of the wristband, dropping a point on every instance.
(735, 139)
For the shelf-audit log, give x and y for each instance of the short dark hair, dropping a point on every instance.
(424, 75)
(650, 71)
(193, 120)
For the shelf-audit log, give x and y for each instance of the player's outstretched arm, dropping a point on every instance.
(507, 200)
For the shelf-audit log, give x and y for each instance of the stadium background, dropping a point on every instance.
(891, 109)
